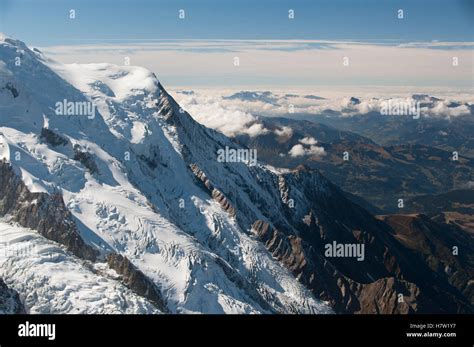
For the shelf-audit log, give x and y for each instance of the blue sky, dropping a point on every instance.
(46, 22)
(200, 50)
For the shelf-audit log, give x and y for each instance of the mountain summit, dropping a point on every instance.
(127, 166)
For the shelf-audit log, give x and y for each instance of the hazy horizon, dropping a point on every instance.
(281, 43)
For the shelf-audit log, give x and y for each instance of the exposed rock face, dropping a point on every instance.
(42, 212)
(13, 90)
(396, 276)
(222, 200)
(136, 280)
(152, 158)
(309, 267)
(9, 86)
(391, 296)
(215, 193)
(283, 248)
(86, 159)
(202, 177)
(384, 296)
(52, 138)
(9, 300)
(50, 217)
(283, 189)
(446, 249)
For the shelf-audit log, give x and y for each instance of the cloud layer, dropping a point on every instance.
(294, 62)
(240, 112)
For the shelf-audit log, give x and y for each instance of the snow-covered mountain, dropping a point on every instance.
(114, 199)
(128, 175)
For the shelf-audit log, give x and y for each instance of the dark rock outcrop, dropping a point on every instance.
(446, 249)
(52, 138)
(10, 301)
(136, 280)
(10, 87)
(15, 93)
(395, 276)
(391, 296)
(42, 212)
(49, 216)
(201, 176)
(86, 159)
(222, 200)
(216, 194)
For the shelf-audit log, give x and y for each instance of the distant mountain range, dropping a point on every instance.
(379, 174)
(449, 134)
(454, 207)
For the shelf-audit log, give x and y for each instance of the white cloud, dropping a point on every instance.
(284, 132)
(308, 141)
(205, 102)
(232, 117)
(316, 150)
(230, 121)
(442, 109)
(300, 151)
(297, 151)
(255, 130)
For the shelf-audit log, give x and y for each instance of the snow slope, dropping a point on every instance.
(143, 201)
(49, 280)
